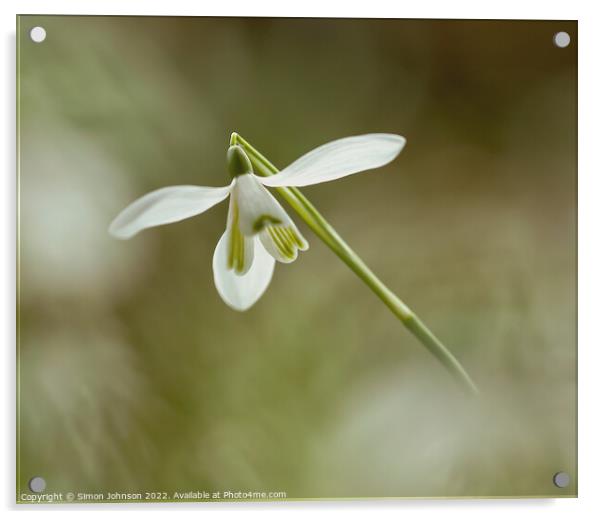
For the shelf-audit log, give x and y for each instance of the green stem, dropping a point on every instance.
(328, 235)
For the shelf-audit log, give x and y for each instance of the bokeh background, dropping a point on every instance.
(134, 376)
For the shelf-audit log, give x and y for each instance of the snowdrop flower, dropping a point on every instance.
(258, 230)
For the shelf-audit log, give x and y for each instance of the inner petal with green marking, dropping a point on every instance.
(257, 206)
(283, 242)
(257, 213)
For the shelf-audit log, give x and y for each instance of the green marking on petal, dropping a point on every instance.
(236, 243)
(289, 245)
(283, 246)
(240, 257)
(295, 237)
(277, 241)
(264, 221)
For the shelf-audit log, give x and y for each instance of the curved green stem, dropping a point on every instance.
(318, 224)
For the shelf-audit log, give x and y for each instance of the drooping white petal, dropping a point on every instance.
(338, 159)
(257, 206)
(240, 247)
(240, 292)
(165, 205)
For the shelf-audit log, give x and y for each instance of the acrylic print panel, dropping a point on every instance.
(220, 358)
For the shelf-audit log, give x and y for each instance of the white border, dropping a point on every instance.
(590, 251)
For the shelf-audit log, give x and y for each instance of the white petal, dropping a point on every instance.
(257, 206)
(166, 205)
(338, 159)
(241, 292)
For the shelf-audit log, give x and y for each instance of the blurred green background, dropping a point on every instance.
(133, 374)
